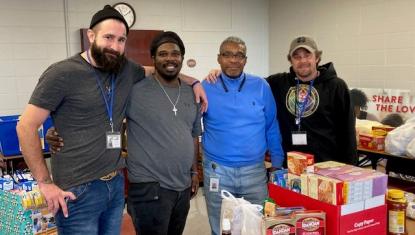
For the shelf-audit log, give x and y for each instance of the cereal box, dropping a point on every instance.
(294, 182)
(298, 162)
(327, 164)
(325, 189)
(304, 184)
(337, 170)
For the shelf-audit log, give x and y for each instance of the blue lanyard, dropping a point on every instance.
(226, 88)
(109, 100)
(303, 104)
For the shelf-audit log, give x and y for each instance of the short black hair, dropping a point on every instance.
(358, 98)
(393, 120)
(166, 37)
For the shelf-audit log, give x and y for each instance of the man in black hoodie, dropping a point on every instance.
(314, 109)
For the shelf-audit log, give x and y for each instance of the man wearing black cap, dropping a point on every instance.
(314, 106)
(163, 129)
(86, 96)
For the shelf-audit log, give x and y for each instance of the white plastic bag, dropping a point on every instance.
(398, 139)
(410, 149)
(245, 217)
(252, 219)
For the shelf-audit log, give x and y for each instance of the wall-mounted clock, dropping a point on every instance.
(127, 11)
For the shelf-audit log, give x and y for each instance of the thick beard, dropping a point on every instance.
(107, 63)
(169, 77)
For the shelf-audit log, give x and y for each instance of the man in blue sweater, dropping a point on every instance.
(240, 126)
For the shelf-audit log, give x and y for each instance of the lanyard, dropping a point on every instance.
(226, 88)
(303, 104)
(109, 99)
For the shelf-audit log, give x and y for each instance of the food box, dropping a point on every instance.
(298, 162)
(310, 222)
(355, 219)
(362, 185)
(325, 189)
(372, 142)
(381, 130)
(337, 170)
(327, 164)
(278, 225)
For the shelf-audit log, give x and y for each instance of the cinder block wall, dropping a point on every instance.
(34, 34)
(371, 42)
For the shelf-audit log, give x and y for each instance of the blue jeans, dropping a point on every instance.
(97, 209)
(249, 182)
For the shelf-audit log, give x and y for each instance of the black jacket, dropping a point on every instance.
(328, 118)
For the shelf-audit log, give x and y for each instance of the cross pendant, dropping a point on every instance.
(174, 110)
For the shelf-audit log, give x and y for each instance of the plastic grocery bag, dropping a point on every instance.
(245, 217)
(410, 149)
(398, 139)
(252, 219)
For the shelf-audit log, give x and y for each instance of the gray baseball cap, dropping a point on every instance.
(303, 42)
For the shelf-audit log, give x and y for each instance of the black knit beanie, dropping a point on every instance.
(166, 37)
(108, 12)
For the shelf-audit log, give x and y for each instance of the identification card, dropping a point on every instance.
(214, 184)
(299, 137)
(113, 140)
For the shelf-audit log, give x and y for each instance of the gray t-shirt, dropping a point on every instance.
(69, 89)
(160, 144)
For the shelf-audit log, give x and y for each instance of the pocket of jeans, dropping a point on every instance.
(143, 192)
(78, 191)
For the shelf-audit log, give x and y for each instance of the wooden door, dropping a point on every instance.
(137, 47)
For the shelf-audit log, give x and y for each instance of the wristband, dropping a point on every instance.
(195, 82)
(194, 173)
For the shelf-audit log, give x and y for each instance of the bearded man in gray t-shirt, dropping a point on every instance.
(86, 96)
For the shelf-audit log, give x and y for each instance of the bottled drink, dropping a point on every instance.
(226, 227)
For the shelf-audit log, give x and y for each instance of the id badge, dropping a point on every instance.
(214, 184)
(113, 140)
(299, 137)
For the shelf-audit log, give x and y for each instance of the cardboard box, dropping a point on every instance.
(43, 222)
(294, 182)
(327, 164)
(359, 221)
(279, 225)
(310, 222)
(337, 170)
(372, 142)
(9, 143)
(362, 185)
(6, 184)
(325, 189)
(298, 162)
(381, 130)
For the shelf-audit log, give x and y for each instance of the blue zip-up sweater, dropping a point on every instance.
(240, 126)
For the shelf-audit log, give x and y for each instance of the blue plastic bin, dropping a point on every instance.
(9, 143)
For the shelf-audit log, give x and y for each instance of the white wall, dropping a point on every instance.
(371, 42)
(33, 35)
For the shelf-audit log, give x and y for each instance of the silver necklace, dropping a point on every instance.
(168, 97)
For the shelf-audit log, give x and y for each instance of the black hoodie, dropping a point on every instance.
(328, 118)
